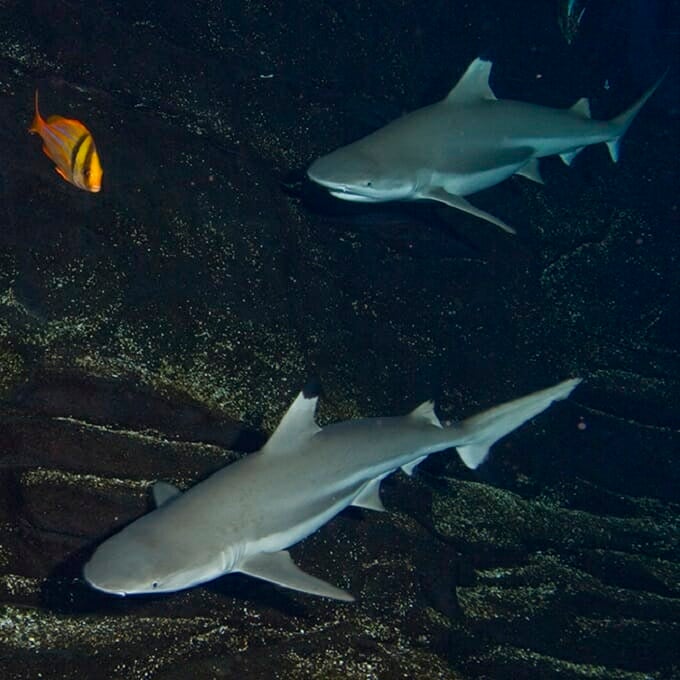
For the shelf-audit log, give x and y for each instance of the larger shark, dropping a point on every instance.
(245, 516)
(467, 142)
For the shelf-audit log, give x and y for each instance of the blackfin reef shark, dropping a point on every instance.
(467, 142)
(244, 517)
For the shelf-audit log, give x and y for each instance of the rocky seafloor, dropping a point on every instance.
(159, 330)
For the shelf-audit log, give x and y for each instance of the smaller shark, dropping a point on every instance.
(245, 516)
(467, 142)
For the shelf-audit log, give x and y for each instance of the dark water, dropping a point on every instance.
(160, 328)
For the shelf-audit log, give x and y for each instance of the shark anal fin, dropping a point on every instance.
(614, 148)
(279, 568)
(410, 467)
(163, 493)
(369, 496)
(568, 156)
(532, 171)
(460, 203)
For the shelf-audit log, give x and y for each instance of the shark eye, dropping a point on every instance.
(154, 585)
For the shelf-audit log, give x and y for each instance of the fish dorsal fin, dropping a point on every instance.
(581, 108)
(425, 413)
(473, 85)
(295, 427)
(163, 493)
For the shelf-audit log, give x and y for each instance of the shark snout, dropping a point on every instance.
(99, 581)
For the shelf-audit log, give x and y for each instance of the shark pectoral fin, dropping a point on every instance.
(410, 467)
(531, 171)
(443, 196)
(369, 496)
(163, 493)
(568, 157)
(279, 568)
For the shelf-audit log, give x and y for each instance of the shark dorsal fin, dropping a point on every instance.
(295, 427)
(473, 85)
(581, 108)
(425, 413)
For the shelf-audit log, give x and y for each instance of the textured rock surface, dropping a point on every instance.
(159, 330)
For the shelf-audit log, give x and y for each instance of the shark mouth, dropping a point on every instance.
(348, 195)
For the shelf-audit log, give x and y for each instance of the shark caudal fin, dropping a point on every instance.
(488, 427)
(623, 121)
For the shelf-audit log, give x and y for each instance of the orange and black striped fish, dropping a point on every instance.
(70, 145)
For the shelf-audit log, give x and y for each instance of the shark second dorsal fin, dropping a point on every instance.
(296, 426)
(163, 493)
(425, 413)
(473, 85)
(581, 108)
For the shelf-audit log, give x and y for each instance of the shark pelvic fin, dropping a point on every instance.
(532, 171)
(369, 496)
(163, 493)
(425, 412)
(279, 568)
(453, 201)
(473, 84)
(296, 426)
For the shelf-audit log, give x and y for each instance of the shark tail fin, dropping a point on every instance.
(622, 122)
(488, 427)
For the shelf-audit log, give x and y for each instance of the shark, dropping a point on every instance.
(466, 142)
(245, 516)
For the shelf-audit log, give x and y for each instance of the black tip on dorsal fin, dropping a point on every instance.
(312, 388)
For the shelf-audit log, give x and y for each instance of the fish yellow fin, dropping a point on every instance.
(35, 125)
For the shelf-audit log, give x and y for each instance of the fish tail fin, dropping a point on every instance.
(35, 125)
(622, 122)
(486, 428)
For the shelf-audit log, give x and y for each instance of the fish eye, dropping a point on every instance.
(154, 585)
